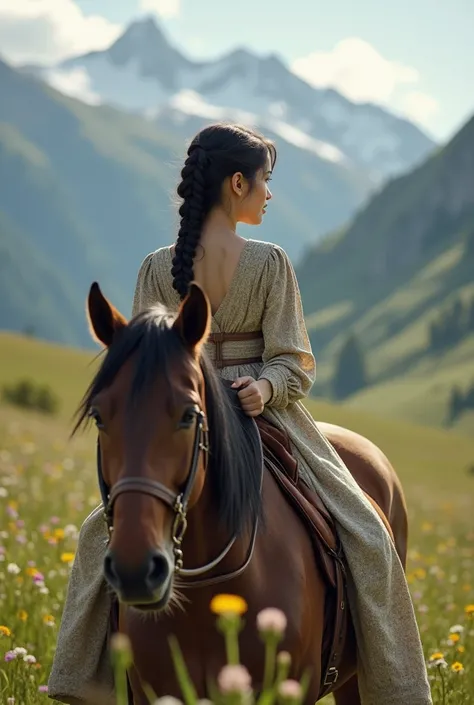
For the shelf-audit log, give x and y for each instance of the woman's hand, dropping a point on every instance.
(253, 394)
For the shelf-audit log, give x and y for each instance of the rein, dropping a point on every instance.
(178, 503)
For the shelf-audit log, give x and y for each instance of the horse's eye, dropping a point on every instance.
(187, 418)
(94, 414)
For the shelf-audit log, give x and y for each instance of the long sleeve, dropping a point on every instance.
(289, 364)
(147, 289)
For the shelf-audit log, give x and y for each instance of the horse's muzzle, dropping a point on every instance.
(143, 585)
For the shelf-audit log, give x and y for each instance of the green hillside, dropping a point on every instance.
(88, 191)
(418, 453)
(403, 261)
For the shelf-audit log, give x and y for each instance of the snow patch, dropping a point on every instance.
(74, 82)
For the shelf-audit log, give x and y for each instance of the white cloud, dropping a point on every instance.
(163, 8)
(419, 106)
(48, 30)
(362, 74)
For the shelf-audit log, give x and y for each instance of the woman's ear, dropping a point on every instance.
(237, 183)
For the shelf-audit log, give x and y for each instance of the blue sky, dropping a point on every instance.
(414, 56)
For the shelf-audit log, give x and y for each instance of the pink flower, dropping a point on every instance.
(271, 620)
(290, 689)
(234, 679)
(43, 689)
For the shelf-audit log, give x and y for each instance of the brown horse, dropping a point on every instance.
(181, 471)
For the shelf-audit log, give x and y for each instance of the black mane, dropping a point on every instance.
(235, 448)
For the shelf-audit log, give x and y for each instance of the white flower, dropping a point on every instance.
(13, 568)
(456, 629)
(271, 620)
(3, 492)
(20, 651)
(29, 658)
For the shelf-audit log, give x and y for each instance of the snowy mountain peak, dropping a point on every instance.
(142, 71)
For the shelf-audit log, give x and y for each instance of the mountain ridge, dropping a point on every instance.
(143, 70)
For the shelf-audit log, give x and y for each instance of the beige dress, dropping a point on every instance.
(264, 295)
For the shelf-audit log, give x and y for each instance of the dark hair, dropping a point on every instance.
(217, 152)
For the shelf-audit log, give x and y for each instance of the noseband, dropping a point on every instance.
(179, 505)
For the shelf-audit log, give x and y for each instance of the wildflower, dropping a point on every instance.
(29, 658)
(20, 651)
(5, 631)
(58, 534)
(49, 620)
(10, 656)
(234, 679)
(437, 662)
(71, 531)
(271, 620)
(67, 557)
(461, 649)
(43, 689)
(228, 604)
(457, 667)
(22, 615)
(169, 700)
(456, 629)
(3, 492)
(13, 569)
(10, 701)
(469, 610)
(453, 639)
(290, 690)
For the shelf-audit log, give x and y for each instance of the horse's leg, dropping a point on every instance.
(348, 694)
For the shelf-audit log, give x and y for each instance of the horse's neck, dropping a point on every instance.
(205, 538)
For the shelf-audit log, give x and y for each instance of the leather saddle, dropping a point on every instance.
(328, 554)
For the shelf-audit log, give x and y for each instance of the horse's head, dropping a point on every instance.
(153, 399)
(148, 403)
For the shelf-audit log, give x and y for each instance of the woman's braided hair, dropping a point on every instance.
(216, 153)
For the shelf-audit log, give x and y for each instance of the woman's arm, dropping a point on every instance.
(147, 289)
(289, 365)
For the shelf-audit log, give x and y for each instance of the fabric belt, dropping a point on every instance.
(220, 338)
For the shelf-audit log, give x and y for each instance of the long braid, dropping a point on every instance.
(192, 190)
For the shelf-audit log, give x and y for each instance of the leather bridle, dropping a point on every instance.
(178, 503)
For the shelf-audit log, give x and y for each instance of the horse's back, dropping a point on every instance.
(375, 475)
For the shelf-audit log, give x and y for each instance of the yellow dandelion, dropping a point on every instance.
(461, 649)
(436, 656)
(5, 631)
(457, 667)
(228, 604)
(23, 615)
(49, 620)
(453, 638)
(427, 526)
(67, 557)
(469, 610)
(31, 571)
(58, 534)
(420, 573)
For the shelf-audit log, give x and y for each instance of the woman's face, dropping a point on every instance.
(252, 203)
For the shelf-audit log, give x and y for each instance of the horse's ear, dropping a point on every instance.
(194, 318)
(104, 319)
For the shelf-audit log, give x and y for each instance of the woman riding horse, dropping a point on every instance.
(258, 342)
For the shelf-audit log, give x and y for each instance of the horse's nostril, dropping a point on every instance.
(159, 569)
(109, 570)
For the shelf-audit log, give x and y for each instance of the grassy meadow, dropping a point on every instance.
(48, 486)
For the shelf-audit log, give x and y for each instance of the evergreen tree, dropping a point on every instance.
(455, 404)
(350, 374)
